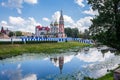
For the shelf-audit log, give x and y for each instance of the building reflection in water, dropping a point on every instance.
(59, 62)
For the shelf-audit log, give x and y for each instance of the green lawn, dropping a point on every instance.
(17, 49)
(108, 76)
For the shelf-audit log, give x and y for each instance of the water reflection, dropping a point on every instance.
(58, 61)
(16, 74)
(92, 62)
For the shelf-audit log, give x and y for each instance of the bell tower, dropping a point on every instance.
(61, 25)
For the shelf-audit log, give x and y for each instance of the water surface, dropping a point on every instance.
(71, 65)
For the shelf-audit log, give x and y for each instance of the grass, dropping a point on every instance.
(18, 49)
(108, 76)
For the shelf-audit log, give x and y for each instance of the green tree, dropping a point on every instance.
(81, 34)
(68, 32)
(86, 34)
(72, 32)
(18, 33)
(11, 34)
(106, 26)
(75, 33)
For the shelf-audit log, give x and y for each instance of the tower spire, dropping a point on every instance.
(61, 12)
(61, 25)
(61, 16)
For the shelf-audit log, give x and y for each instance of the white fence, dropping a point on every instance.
(24, 39)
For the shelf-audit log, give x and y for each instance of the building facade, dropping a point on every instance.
(54, 29)
(41, 31)
(27, 33)
(4, 33)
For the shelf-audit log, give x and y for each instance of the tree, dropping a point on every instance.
(106, 26)
(81, 34)
(18, 33)
(68, 31)
(11, 34)
(75, 33)
(86, 34)
(72, 32)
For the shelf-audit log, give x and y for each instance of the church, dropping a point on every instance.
(4, 33)
(56, 29)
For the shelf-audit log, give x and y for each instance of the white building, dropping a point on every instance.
(57, 29)
(54, 29)
(42, 31)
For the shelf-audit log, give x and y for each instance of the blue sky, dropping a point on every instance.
(24, 15)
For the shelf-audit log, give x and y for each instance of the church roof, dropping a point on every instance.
(43, 28)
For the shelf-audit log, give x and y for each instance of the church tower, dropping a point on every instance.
(61, 25)
(61, 63)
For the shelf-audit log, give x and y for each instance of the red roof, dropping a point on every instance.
(43, 28)
(38, 26)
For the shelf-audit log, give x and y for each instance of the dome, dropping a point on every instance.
(56, 23)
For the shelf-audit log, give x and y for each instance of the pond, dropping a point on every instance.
(71, 65)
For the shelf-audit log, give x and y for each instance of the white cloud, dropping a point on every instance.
(67, 18)
(16, 20)
(2, 4)
(17, 4)
(20, 24)
(14, 3)
(30, 77)
(80, 3)
(19, 11)
(28, 24)
(3, 23)
(45, 19)
(31, 1)
(56, 16)
(81, 24)
(84, 23)
(91, 12)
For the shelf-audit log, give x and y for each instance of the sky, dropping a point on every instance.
(24, 15)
